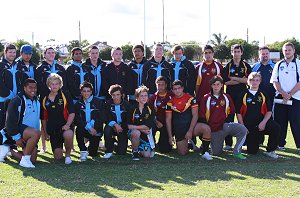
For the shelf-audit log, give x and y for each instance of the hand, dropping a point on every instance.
(159, 124)
(118, 128)
(171, 141)
(20, 142)
(93, 131)
(145, 131)
(66, 127)
(285, 95)
(188, 135)
(262, 126)
(235, 79)
(47, 137)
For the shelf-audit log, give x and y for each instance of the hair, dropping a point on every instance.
(75, 49)
(114, 88)
(208, 47)
(176, 48)
(115, 49)
(141, 89)
(177, 82)
(93, 47)
(48, 48)
(9, 46)
(28, 81)
(161, 78)
(253, 75)
(237, 46)
(289, 44)
(263, 48)
(138, 47)
(158, 45)
(52, 77)
(86, 84)
(215, 79)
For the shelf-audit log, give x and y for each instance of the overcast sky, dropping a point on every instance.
(121, 21)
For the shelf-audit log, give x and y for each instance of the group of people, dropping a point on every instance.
(118, 102)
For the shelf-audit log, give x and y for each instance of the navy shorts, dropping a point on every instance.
(144, 143)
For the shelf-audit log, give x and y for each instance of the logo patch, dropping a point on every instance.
(222, 102)
(249, 100)
(213, 103)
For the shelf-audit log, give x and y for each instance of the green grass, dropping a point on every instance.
(162, 176)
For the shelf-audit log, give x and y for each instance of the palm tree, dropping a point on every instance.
(218, 40)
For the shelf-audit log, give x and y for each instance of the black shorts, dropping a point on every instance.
(56, 140)
(180, 130)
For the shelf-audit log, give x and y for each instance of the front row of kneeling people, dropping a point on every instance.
(175, 114)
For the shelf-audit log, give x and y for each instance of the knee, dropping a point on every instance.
(183, 152)
(58, 154)
(68, 134)
(135, 134)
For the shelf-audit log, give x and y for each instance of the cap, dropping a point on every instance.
(26, 49)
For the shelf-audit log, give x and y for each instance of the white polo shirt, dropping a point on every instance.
(286, 73)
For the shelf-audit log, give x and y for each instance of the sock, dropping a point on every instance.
(205, 144)
(27, 157)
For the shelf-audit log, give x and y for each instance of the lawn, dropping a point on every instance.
(162, 176)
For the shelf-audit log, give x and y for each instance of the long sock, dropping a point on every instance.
(205, 144)
(27, 157)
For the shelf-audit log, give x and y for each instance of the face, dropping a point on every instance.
(177, 55)
(94, 54)
(86, 92)
(161, 86)
(236, 53)
(30, 90)
(177, 90)
(10, 55)
(26, 57)
(117, 56)
(50, 55)
(158, 52)
(254, 82)
(116, 96)
(264, 55)
(138, 53)
(288, 51)
(77, 56)
(55, 85)
(216, 87)
(143, 98)
(208, 55)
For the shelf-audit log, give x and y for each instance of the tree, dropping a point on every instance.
(192, 50)
(222, 52)
(72, 44)
(277, 46)
(105, 53)
(250, 50)
(218, 40)
(35, 53)
(127, 51)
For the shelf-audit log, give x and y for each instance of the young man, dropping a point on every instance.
(205, 71)
(136, 71)
(155, 67)
(140, 120)
(217, 110)
(158, 101)
(94, 67)
(89, 119)
(22, 126)
(116, 110)
(254, 110)
(25, 65)
(8, 87)
(285, 78)
(181, 117)
(116, 72)
(235, 76)
(183, 70)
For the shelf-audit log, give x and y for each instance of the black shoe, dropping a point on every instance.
(135, 156)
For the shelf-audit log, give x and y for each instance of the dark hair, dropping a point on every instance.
(27, 81)
(161, 78)
(215, 79)
(176, 48)
(237, 46)
(86, 84)
(263, 48)
(177, 82)
(113, 88)
(75, 49)
(289, 44)
(138, 47)
(93, 47)
(208, 47)
(48, 48)
(9, 46)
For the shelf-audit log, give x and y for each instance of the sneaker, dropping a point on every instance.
(281, 148)
(239, 156)
(26, 163)
(135, 156)
(83, 156)
(227, 148)
(4, 149)
(192, 145)
(68, 160)
(152, 153)
(42, 151)
(107, 155)
(207, 156)
(272, 154)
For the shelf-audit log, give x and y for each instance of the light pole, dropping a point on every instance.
(209, 22)
(163, 7)
(145, 46)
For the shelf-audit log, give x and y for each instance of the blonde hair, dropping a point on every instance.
(52, 77)
(253, 75)
(141, 89)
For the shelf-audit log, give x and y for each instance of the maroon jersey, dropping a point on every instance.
(159, 103)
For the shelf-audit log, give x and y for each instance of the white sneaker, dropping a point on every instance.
(83, 156)
(281, 148)
(68, 160)
(272, 154)
(26, 163)
(107, 155)
(152, 153)
(4, 149)
(207, 156)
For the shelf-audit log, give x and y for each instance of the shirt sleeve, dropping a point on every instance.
(274, 77)
(70, 105)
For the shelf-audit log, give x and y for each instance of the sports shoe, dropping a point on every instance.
(135, 156)
(68, 160)
(281, 148)
(239, 156)
(207, 156)
(192, 145)
(298, 151)
(107, 155)
(152, 153)
(272, 154)
(227, 148)
(4, 149)
(42, 151)
(83, 156)
(26, 163)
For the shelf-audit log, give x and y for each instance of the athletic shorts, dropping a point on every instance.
(144, 143)
(56, 140)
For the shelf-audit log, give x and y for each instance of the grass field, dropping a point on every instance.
(162, 176)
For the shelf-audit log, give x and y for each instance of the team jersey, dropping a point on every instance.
(159, 104)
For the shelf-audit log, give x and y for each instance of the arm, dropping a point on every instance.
(169, 127)
(69, 122)
(295, 89)
(191, 79)
(12, 119)
(79, 122)
(262, 124)
(285, 95)
(138, 127)
(4, 91)
(240, 119)
(238, 80)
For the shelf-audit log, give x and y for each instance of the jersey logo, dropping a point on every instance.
(213, 71)
(136, 116)
(204, 70)
(281, 68)
(213, 103)
(243, 70)
(232, 70)
(222, 102)
(60, 101)
(147, 115)
(249, 100)
(259, 99)
(158, 103)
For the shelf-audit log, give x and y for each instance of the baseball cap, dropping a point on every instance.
(26, 49)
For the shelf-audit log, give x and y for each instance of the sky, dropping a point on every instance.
(121, 21)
